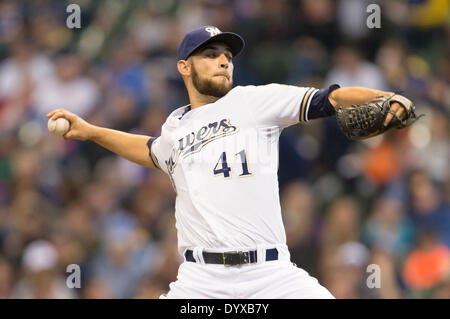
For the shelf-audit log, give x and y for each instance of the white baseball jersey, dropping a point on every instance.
(222, 159)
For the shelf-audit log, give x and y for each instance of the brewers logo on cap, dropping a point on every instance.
(213, 31)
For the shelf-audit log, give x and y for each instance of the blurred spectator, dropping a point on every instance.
(20, 73)
(68, 89)
(346, 278)
(430, 148)
(427, 266)
(340, 225)
(351, 69)
(352, 17)
(388, 229)
(128, 256)
(41, 279)
(318, 19)
(169, 260)
(429, 210)
(300, 222)
(24, 68)
(389, 272)
(11, 21)
(391, 58)
(310, 60)
(125, 72)
(342, 222)
(381, 163)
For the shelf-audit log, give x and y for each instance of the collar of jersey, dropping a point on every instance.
(184, 110)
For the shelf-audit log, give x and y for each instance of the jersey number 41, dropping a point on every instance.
(223, 168)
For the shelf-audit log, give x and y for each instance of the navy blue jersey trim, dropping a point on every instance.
(150, 152)
(320, 105)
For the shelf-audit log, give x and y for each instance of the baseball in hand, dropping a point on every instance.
(59, 126)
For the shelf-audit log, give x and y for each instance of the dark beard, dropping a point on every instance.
(208, 87)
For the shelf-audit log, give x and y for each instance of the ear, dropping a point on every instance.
(184, 67)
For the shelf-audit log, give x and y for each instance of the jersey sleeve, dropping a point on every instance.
(284, 105)
(154, 152)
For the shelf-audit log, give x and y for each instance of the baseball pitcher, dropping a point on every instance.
(221, 154)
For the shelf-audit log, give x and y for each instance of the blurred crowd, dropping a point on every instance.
(346, 205)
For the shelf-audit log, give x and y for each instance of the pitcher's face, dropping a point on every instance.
(212, 69)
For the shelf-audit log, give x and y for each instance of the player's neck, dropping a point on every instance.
(198, 100)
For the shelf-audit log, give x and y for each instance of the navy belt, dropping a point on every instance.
(232, 258)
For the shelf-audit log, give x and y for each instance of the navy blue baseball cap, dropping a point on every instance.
(206, 34)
